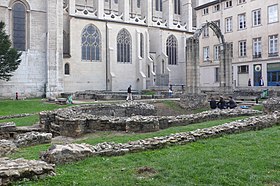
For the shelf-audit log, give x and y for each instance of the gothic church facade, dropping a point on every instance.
(76, 45)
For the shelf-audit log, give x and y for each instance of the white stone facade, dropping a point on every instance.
(254, 22)
(54, 32)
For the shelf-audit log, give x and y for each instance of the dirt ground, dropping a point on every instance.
(164, 110)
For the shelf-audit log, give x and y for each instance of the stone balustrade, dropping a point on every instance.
(14, 170)
(59, 154)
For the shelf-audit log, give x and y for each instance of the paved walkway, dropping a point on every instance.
(122, 101)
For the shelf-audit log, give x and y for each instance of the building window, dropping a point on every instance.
(159, 5)
(217, 8)
(205, 54)
(256, 14)
(138, 4)
(230, 48)
(206, 32)
(273, 45)
(229, 24)
(228, 4)
(243, 69)
(171, 50)
(257, 48)
(216, 52)
(124, 46)
(66, 43)
(242, 21)
(177, 7)
(205, 11)
(217, 72)
(141, 45)
(67, 69)
(91, 45)
(273, 14)
(19, 26)
(116, 1)
(149, 71)
(242, 48)
(241, 1)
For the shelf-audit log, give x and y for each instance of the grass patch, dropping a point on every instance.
(24, 121)
(258, 107)
(11, 107)
(250, 158)
(175, 106)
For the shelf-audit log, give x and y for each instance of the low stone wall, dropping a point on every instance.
(7, 147)
(7, 130)
(15, 170)
(32, 138)
(59, 154)
(193, 101)
(72, 123)
(271, 105)
(23, 140)
(16, 116)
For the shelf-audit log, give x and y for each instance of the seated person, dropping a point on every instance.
(231, 103)
(213, 103)
(221, 103)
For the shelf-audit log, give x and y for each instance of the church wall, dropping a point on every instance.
(85, 75)
(30, 78)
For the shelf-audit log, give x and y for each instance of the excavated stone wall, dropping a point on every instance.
(74, 122)
(271, 105)
(59, 154)
(14, 170)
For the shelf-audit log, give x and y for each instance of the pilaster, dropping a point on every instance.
(124, 9)
(186, 14)
(168, 12)
(100, 9)
(146, 10)
(72, 7)
(54, 54)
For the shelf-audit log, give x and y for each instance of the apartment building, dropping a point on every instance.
(252, 28)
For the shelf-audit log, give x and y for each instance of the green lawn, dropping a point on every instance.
(12, 107)
(250, 158)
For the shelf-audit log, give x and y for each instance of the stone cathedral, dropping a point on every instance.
(76, 45)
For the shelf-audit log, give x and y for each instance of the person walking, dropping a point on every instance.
(129, 94)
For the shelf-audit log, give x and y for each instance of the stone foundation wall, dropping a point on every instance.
(74, 122)
(193, 101)
(59, 154)
(271, 105)
(15, 170)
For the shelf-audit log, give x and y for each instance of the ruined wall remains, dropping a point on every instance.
(72, 152)
(129, 117)
(271, 105)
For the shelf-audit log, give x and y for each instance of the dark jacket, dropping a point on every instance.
(129, 90)
(213, 104)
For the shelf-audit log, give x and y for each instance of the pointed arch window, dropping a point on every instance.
(67, 69)
(124, 46)
(177, 7)
(141, 45)
(91, 44)
(19, 26)
(171, 50)
(159, 5)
